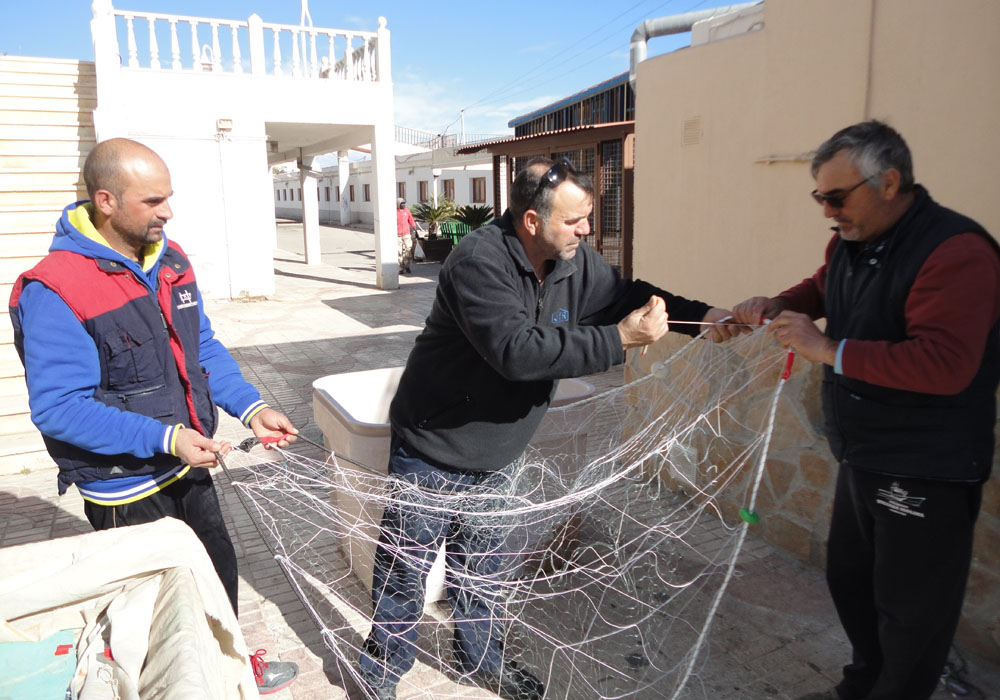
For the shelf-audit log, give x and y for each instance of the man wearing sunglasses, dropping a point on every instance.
(520, 303)
(911, 294)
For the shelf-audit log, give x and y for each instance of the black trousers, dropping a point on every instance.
(191, 499)
(897, 563)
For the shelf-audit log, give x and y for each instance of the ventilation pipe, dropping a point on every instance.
(664, 26)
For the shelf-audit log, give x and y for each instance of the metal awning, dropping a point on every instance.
(503, 145)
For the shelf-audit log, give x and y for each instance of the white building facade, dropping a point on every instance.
(420, 177)
(222, 101)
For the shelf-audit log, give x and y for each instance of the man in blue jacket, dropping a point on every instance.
(123, 370)
(520, 303)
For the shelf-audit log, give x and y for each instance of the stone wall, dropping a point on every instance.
(796, 497)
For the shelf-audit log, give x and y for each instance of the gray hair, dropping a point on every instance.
(874, 148)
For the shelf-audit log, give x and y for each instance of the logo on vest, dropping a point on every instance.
(560, 316)
(898, 500)
(186, 300)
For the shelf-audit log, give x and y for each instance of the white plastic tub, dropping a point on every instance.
(352, 410)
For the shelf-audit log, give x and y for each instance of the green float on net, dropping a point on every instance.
(749, 516)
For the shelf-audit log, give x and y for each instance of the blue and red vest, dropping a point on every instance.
(148, 344)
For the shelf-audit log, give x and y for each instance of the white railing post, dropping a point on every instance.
(133, 52)
(175, 46)
(349, 58)
(154, 48)
(258, 64)
(295, 53)
(195, 45)
(216, 49)
(383, 67)
(313, 62)
(277, 52)
(237, 56)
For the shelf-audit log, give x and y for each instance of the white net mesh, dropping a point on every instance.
(614, 538)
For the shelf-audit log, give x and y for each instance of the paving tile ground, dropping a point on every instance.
(775, 635)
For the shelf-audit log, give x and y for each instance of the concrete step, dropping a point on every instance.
(24, 245)
(43, 147)
(21, 179)
(47, 104)
(28, 89)
(12, 386)
(45, 199)
(58, 80)
(10, 268)
(83, 117)
(53, 163)
(5, 323)
(45, 132)
(15, 404)
(14, 423)
(6, 330)
(34, 460)
(51, 66)
(10, 363)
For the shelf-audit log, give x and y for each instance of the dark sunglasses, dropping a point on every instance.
(555, 175)
(835, 198)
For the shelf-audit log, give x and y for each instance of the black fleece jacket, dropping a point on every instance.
(481, 374)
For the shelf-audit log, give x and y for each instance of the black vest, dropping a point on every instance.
(892, 431)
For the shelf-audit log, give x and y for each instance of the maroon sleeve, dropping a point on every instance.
(808, 296)
(953, 303)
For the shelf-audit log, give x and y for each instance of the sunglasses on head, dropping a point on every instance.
(835, 198)
(555, 175)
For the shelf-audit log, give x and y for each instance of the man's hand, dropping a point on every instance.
(270, 423)
(645, 325)
(197, 450)
(756, 308)
(798, 332)
(723, 331)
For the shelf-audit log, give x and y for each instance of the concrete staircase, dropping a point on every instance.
(46, 131)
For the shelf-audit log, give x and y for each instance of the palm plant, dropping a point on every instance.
(474, 215)
(435, 215)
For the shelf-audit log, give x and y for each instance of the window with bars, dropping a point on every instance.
(422, 186)
(351, 195)
(401, 190)
(367, 192)
(449, 190)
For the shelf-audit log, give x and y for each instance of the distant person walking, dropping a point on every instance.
(406, 229)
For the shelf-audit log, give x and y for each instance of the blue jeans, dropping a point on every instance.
(430, 504)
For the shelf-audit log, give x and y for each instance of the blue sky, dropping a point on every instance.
(497, 60)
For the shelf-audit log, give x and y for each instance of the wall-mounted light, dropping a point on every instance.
(224, 125)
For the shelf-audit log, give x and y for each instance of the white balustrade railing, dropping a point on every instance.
(295, 51)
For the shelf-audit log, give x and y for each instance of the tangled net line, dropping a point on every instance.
(621, 528)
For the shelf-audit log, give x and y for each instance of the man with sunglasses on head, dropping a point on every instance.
(911, 295)
(520, 303)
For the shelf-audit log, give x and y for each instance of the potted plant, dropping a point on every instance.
(434, 215)
(474, 215)
(436, 248)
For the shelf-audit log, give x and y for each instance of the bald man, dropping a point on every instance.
(123, 370)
